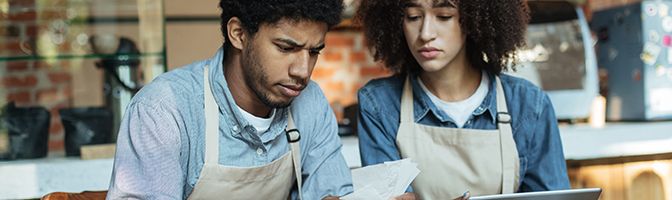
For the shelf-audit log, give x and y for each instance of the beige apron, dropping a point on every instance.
(454, 160)
(272, 181)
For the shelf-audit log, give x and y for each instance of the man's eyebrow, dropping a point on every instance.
(290, 42)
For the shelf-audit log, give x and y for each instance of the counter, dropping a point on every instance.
(34, 178)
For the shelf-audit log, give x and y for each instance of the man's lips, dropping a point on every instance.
(291, 90)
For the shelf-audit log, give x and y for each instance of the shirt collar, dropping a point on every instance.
(227, 106)
(423, 105)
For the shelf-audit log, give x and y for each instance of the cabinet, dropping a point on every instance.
(68, 54)
(634, 49)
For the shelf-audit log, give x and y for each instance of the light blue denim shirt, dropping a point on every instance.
(535, 129)
(160, 147)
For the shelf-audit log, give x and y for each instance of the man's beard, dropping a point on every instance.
(255, 78)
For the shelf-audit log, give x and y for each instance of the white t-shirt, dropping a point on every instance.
(261, 124)
(460, 111)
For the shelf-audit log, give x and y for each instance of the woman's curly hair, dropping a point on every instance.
(494, 30)
(253, 13)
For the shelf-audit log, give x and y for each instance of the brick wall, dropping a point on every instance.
(29, 82)
(344, 66)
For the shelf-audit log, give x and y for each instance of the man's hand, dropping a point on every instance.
(406, 196)
(331, 198)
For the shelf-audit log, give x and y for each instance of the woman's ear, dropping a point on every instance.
(236, 33)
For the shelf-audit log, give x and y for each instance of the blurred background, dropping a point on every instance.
(68, 68)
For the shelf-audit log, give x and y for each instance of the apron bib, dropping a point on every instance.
(271, 181)
(454, 160)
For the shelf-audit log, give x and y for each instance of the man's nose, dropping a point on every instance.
(300, 68)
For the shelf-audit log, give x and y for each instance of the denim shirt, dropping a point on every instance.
(535, 129)
(160, 147)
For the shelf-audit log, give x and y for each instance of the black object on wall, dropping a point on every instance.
(28, 129)
(85, 126)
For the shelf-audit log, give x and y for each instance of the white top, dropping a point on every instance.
(259, 123)
(460, 111)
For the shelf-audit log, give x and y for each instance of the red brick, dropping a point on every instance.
(17, 66)
(59, 77)
(335, 40)
(51, 14)
(323, 72)
(43, 65)
(16, 81)
(332, 56)
(12, 45)
(31, 30)
(26, 16)
(373, 71)
(358, 57)
(19, 97)
(331, 86)
(22, 3)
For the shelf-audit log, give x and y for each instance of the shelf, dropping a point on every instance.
(83, 56)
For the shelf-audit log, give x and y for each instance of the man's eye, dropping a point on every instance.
(286, 49)
(314, 52)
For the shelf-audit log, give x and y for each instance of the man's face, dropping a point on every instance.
(279, 59)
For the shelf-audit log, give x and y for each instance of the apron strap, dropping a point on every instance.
(211, 122)
(293, 137)
(505, 133)
(406, 115)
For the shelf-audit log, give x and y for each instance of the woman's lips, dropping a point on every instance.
(429, 52)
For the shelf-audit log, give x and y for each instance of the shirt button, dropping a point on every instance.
(236, 129)
(260, 151)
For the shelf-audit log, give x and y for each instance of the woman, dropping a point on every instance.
(448, 107)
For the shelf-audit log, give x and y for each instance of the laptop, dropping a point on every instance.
(573, 194)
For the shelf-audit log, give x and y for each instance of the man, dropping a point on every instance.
(247, 123)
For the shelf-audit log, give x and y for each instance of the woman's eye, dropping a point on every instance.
(445, 17)
(412, 17)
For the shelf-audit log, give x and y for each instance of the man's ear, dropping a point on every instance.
(236, 33)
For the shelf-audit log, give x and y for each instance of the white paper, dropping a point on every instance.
(382, 181)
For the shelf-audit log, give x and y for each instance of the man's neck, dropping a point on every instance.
(455, 82)
(242, 93)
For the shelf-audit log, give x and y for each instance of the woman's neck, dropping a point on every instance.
(456, 81)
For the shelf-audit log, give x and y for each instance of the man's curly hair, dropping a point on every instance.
(253, 13)
(494, 30)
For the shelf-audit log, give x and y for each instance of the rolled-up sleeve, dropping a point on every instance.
(546, 168)
(324, 170)
(146, 164)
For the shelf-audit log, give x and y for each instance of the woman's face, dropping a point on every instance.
(433, 34)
